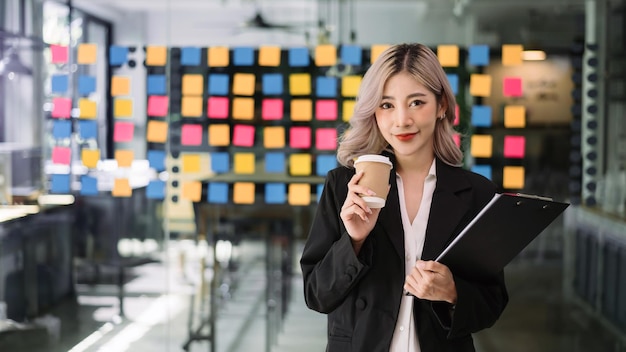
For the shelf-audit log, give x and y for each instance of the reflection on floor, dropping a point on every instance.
(160, 296)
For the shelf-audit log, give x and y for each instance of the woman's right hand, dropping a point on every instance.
(357, 217)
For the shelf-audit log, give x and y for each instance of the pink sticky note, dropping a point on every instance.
(243, 135)
(59, 54)
(326, 139)
(217, 108)
(62, 107)
(512, 87)
(514, 146)
(61, 155)
(158, 105)
(326, 110)
(300, 137)
(272, 109)
(191, 134)
(123, 131)
(457, 140)
(457, 115)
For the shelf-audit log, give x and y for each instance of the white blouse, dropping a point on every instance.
(405, 335)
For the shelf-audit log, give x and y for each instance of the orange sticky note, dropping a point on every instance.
(299, 194)
(482, 146)
(243, 163)
(274, 137)
(120, 85)
(243, 84)
(88, 109)
(124, 157)
(121, 188)
(448, 55)
(376, 50)
(156, 55)
(156, 131)
(190, 163)
(301, 110)
(348, 109)
(480, 85)
(325, 55)
(300, 164)
(350, 85)
(86, 53)
(269, 56)
(219, 135)
(243, 193)
(192, 84)
(512, 54)
(513, 177)
(123, 108)
(300, 84)
(192, 190)
(218, 56)
(191, 106)
(514, 116)
(90, 157)
(243, 108)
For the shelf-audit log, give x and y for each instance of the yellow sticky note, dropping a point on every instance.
(301, 110)
(513, 177)
(190, 163)
(348, 109)
(193, 84)
(448, 55)
(156, 132)
(90, 157)
(512, 54)
(156, 55)
(300, 164)
(274, 137)
(124, 157)
(325, 55)
(299, 194)
(191, 106)
(376, 50)
(514, 116)
(123, 108)
(482, 146)
(243, 163)
(219, 135)
(243, 108)
(192, 190)
(269, 56)
(243, 84)
(243, 193)
(480, 85)
(120, 85)
(350, 86)
(87, 108)
(121, 188)
(218, 56)
(86, 53)
(300, 84)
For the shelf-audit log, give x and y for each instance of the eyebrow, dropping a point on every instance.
(414, 95)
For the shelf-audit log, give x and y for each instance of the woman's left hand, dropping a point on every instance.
(432, 281)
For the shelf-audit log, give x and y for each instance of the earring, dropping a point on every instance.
(442, 116)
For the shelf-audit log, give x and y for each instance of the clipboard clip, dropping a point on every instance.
(532, 196)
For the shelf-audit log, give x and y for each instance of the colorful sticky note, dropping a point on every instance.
(218, 56)
(90, 157)
(325, 163)
(59, 183)
(191, 134)
(156, 85)
(123, 131)
(217, 193)
(120, 85)
(299, 194)
(348, 109)
(269, 55)
(123, 108)
(481, 146)
(190, 56)
(220, 162)
(155, 189)
(87, 108)
(376, 51)
(243, 108)
(480, 85)
(59, 54)
(243, 163)
(481, 115)
(484, 170)
(326, 110)
(478, 55)
(86, 84)
(61, 155)
(217, 107)
(243, 84)
(350, 86)
(275, 193)
(243, 193)
(156, 55)
(272, 109)
(513, 177)
(219, 84)
(86, 53)
(59, 83)
(300, 137)
(457, 115)
(457, 139)
(158, 105)
(61, 129)
(87, 129)
(191, 106)
(192, 190)
(156, 159)
(190, 163)
(453, 79)
(514, 147)
(512, 54)
(514, 116)
(192, 84)
(326, 138)
(61, 107)
(299, 57)
(124, 157)
(274, 137)
(275, 162)
(448, 55)
(243, 56)
(118, 55)
(219, 135)
(512, 86)
(325, 55)
(272, 83)
(243, 135)
(300, 84)
(351, 54)
(326, 87)
(300, 164)
(301, 110)
(88, 185)
(157, 131)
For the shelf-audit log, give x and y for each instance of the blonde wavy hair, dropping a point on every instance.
(363, 136)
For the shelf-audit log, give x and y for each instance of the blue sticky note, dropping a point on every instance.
(87, 129)
(320, 189)
(243, 56)
(88, 185)
(325, 163)
(59, 83)
(190, 56)
(299, 57)
(326, 87)
(156, 85)
(155, 189)
(275, 193)
(484, 170)
(272, 83)
(275, 162)
(217, 192)
(118, 55)
(61, 129)
(478, 55)
(218, 84)
(220, 162)
(59, 183)
(350, 55)
(86, 84)
(481, 115)
(156, 159)
(453, 78)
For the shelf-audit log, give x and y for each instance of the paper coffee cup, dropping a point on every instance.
(376, 169)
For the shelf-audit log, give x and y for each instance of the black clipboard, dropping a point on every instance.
(500, 231)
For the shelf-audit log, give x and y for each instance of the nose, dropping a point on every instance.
(402, 117)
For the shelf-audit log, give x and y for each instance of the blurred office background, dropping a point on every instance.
(160, 162)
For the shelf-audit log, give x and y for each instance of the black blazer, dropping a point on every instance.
(362, 295)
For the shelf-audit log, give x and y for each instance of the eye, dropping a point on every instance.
(385, 105)
(416, 103)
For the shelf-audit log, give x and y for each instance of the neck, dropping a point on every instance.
(414, 164)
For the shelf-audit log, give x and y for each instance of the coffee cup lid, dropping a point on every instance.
(374, 158)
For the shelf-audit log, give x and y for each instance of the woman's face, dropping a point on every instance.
(407, 115)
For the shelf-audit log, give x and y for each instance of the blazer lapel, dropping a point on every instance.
(390, 219)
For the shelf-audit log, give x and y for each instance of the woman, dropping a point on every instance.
(372, 270)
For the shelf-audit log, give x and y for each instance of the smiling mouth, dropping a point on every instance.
(405, 136)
